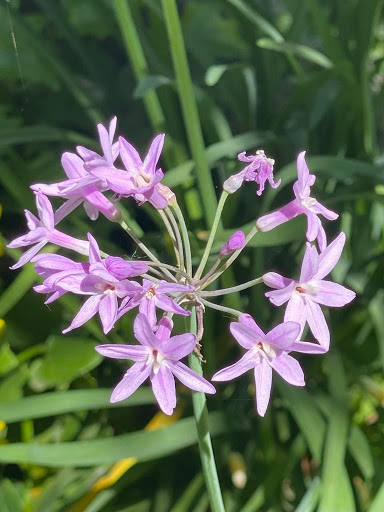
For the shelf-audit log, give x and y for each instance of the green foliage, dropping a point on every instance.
(279, 76)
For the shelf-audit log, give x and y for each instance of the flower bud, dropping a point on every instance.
(236, 241)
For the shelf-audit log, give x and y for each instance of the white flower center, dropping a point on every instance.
(155, 358)
(308, 202)
(105, 287)
(151, 292)
(306, 289)
(266, 350)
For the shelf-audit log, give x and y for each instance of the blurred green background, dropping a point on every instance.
(284, 75)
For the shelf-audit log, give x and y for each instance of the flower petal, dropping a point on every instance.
(167, 304)
(307, 348)
(296, 312)
(108, 311)
(288, 368)
(320, 209)
(317, 323)
(94, 251)
(28, 255)
(130, 157)
(283, 335)
(330, 256)
(274, 280)
(246, 336)
(271, 220)
(313, 225)
(332, 294)
(164, 329)
(164, 287)
(91, 211)
(148, 309)
(73, 165)
(133, 352)
(86, 312)
(153, 155)
(263, 383)
(122, 269)
(105, 143)
(248, 361)
(134, 377)
(163, 386)
(45, 210)
(179, 346)
(310, 264)
(190, 378)
(247, 319)
(280, 297)
(143, 332)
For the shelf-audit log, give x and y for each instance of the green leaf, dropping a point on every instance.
(377, 503)
(11, 496)
(311, 497)
(309, 420)
(17, 289)
(142, 444)
(61, 402)
(11, 388)
(214, 73)
(337, 493)
(36, 133)
(359, 447)
(8, 360)
(300, 50)
(148, 83)
(66, 358)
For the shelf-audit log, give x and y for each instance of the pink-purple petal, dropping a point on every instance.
(296, 312)
(143, 332)
(190, 378)
(330, 256)
(332, 294)
(288, 368)
(134, 377)
(247, 319)
(274, 219)
(318, 324)
(28, 255)
(178, 346)
(108, 311)
(263, 384)
(164, 389)
(280, 297)
(153, 155)
(247, 362)
(86, 312)
(283, 335)
(247, 337)
(133, 352)
(307, 348)
(310, 264)
(167, 304)
(274, 280)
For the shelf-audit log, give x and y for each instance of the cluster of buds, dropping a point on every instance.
(114, 285)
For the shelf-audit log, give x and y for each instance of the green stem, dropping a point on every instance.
(210, 272)
(143, 247)
(212, 234)
(178, 237)
(189, 108)
(184, 234)
(225, 291)
(223, 309)
(231, 259)
(202, 426)
(176, 246)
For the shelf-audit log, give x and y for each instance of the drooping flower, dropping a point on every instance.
(151, 295)
(42, 231)
(101, 285)
(53, 267)
(260, 169)
(157, 357)
(140, 179)
(235, 242)
(80, 187)
(266, 352)
(110, 150)
(302, 204)
(305, 295)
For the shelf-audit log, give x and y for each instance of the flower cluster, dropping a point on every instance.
(113, 285)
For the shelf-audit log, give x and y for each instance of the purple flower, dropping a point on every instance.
(151, 295)
(302, 204)
(80, 187)
(267, 351)
(235, 242)
(110, 150)
(41, 231)
(53, 267)
(305, 295)
(140, 179)
(157, 357)
(102, 286)
(260, 169)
